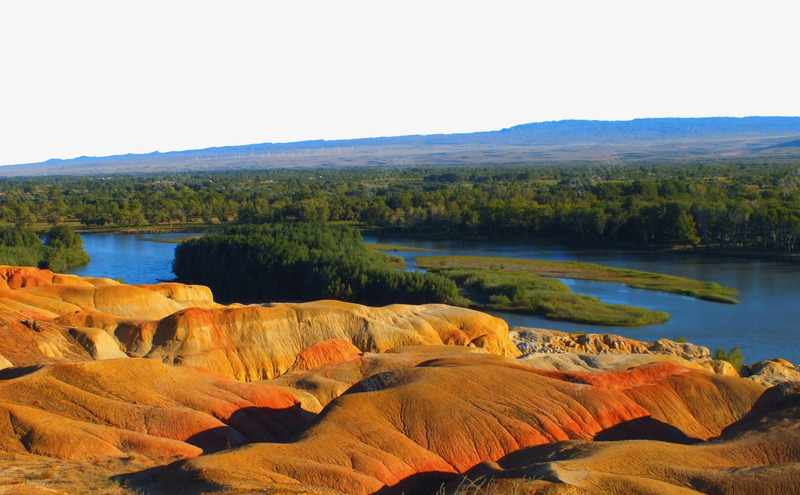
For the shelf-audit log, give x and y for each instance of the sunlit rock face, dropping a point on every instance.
(180, 324)
(114, 408)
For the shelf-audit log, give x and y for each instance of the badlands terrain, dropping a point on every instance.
(111, 388)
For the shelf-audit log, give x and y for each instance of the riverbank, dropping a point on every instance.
(395, 247)
(555, 243)
(737, 253)
(177, 240)
(189, 228)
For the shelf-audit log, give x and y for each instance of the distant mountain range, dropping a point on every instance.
(542, 142)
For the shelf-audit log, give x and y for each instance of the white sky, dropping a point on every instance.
(110, 77)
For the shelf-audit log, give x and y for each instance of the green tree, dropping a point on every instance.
(733, 356)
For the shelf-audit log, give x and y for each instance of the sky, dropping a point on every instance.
(99, 78)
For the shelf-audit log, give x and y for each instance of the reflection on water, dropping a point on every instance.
(764, 325)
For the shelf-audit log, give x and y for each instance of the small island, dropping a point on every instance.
(531, 286)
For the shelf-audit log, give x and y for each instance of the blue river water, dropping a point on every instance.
(133, 258)
(765, 325)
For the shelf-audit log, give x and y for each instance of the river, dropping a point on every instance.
(132, 258)
(764, 325)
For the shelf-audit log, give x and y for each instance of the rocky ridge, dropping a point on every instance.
(552, 349)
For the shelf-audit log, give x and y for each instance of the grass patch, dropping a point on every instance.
(499, 288)
(395, 247)
(708, 291)
(176, 240)
(396, 261)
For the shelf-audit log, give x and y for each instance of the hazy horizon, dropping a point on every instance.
(370, 137)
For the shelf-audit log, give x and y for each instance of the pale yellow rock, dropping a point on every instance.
(570, 361)
(774, 372)
(555, 350)
(723, 368)
(553, 341)
(198, 296)
(5, 363)
(100, 281)
(50, 349)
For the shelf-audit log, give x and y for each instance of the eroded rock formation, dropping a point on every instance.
(772, 372)
(412, 427)
(180, 324)
(114, 408)
(758, 454)
(332, 397)
(552, 349)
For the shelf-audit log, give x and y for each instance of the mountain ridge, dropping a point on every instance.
(554, 141)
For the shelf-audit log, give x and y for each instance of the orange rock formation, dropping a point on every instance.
(332, 397)
(406, 427)
(114, 408)
(758, 454)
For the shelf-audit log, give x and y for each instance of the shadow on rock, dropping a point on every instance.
(645, 428)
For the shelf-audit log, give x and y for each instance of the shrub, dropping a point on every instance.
(733, 356)
(500, 300)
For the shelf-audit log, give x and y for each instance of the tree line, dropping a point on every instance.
(727, 205)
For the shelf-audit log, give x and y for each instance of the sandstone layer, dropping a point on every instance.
(115, 408)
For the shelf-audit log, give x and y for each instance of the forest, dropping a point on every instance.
(725, 205)
(57, 249)
(302, 261)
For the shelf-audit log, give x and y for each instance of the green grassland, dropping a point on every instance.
(708, 291)
(395, 247)
(530, 286)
